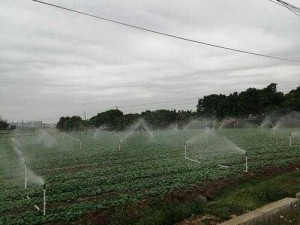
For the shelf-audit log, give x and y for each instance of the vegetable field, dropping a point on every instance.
(92, 171)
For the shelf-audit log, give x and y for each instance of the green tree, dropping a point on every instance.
(270, 99)
(108, 118)
(292, 99)
(3, 125)
(212, 106)
(74, 123)
(70, 123)
(62, 123)
(232, 108)
(159, 118)
(249, 102)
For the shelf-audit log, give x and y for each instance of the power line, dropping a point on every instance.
(288, 6)
(166, 34)
(152, 103)
(155, 107)
(132, 106)
(168, 106)
(275, 2)
(145, 104)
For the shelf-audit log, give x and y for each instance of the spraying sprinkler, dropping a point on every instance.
(290, 138)
(246, 169)
(120, 144)
(79, 143)
(44, 210)
(185, 147)
(26, 175)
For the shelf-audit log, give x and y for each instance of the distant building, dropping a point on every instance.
(48, 125)
(30, 124)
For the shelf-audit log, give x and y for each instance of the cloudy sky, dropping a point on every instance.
(55, 63)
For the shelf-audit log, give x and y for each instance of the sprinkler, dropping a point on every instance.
(79, 143)
(290, 138)
(185, 147)
(120, 144)
(26, 175)
(246, 162)
(44, 210)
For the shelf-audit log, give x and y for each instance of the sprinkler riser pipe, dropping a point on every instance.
(185, 147)
(246, 163)
(44, 209)
(26, 176)
(290, 138)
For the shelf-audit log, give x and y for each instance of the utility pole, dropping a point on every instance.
(84, 115)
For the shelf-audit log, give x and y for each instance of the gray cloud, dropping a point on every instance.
(55, 63)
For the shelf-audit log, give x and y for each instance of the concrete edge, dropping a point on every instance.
(260, 212)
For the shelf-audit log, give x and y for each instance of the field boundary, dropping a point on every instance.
(265, 211)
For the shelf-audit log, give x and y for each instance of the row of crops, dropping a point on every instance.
(87, 172)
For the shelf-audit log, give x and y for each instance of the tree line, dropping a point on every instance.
(115, 119)
(254, 103)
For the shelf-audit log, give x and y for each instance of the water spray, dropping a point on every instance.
(274, 132)
(44, 209)
(246, 155)
(185, 155)
(290, 138)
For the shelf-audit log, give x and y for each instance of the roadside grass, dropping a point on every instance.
(234, 200)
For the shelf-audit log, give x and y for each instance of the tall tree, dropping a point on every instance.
(292, 99)
(249, 102)
(270, 99)
(212, 106)
(70, 123)
(108, 118)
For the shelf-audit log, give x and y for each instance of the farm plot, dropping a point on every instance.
(88, 171)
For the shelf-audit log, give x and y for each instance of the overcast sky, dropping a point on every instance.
(55, 63)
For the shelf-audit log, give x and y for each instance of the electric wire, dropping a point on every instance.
(166, 105)
(166, 34)
(288, 6)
